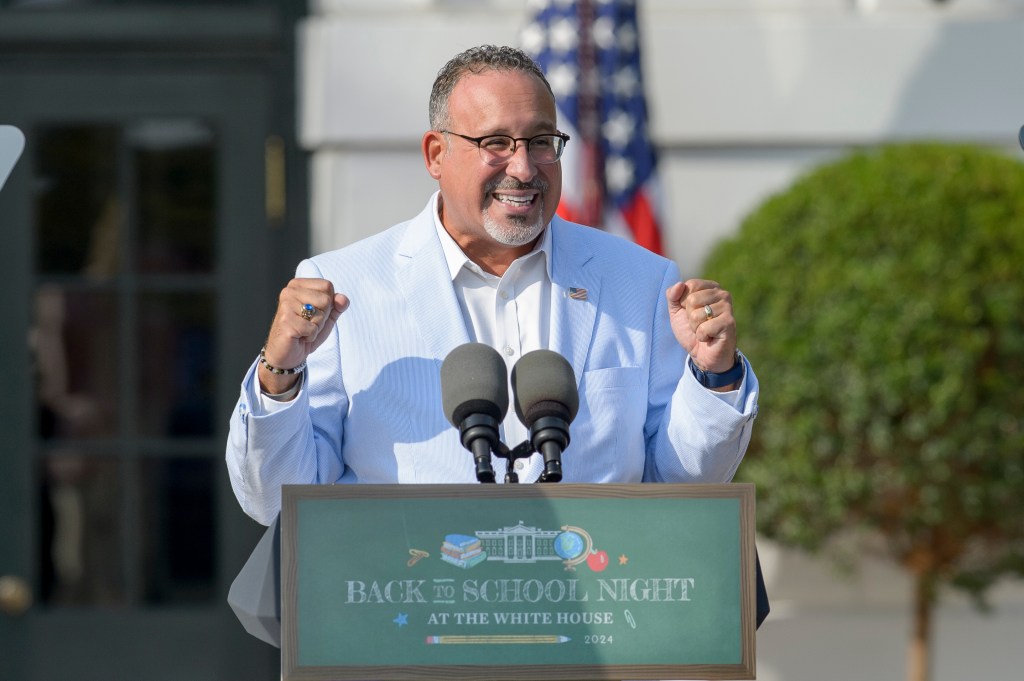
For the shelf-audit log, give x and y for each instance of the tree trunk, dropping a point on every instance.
(919, 659)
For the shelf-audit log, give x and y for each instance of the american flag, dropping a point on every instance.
(590, 52)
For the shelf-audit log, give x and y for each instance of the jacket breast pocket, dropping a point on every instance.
(612, 377)
(608, 434)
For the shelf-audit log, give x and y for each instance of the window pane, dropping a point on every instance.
(77, 211)
(76, 345)
(176, 533)
(177, 381)
(176, 185)
(82, 542)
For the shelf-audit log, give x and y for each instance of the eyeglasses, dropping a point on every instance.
(498, 149)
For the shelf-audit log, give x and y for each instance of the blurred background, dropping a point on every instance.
(182, 157)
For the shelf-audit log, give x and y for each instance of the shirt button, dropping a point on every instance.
(504, 295)
(509, 351)
(519, 465)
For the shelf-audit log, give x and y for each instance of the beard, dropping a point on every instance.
(516, 230)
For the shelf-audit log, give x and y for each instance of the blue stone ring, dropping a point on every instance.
(307, 312)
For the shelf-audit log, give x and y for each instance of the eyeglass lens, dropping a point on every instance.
(542, 148)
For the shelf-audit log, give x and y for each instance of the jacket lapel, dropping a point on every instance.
(423, 278)
(575, 294)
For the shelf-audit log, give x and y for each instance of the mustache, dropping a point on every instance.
(510, 183)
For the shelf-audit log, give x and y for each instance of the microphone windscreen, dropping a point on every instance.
(543, 381)
(473, 381)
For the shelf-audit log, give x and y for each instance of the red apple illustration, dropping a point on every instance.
(598, 560)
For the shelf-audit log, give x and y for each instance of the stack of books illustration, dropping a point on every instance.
(462, 550)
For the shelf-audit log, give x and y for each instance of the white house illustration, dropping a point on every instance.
(519, 544)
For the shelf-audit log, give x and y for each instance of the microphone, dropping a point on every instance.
(474, 395)
(546, 401)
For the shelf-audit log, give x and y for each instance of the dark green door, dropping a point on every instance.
(133, 299)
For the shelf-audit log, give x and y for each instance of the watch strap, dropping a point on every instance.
(711, 379)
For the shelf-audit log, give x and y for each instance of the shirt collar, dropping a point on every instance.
(456, 259)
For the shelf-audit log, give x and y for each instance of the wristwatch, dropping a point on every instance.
(710, 379)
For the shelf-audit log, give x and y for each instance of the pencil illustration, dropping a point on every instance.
(492, 639)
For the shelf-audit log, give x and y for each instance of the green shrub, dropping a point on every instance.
(881, 302)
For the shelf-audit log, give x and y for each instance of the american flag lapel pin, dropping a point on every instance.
(577, 293)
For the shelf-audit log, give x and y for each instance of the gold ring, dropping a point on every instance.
(307, 312)
(709, 312)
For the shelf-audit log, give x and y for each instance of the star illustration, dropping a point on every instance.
(623, 559)
(401, 620)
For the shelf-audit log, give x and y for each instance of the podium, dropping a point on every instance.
(563, 581)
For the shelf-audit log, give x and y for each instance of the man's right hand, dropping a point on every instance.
(293, 337)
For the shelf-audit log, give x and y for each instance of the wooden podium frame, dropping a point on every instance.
(321, 560)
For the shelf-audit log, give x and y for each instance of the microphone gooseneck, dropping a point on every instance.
(546, 401)
(474, 396)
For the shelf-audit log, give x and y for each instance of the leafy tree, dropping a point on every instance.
(881, 300)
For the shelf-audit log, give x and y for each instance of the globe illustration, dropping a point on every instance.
(569, 545)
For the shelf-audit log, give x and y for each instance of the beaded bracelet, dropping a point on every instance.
(276, 370)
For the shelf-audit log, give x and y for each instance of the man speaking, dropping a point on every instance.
(347, 388)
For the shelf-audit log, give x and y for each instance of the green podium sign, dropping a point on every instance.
(518, 581)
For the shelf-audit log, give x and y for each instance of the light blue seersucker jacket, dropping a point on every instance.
(370, 409)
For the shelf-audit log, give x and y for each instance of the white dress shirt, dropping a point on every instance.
(510, 313)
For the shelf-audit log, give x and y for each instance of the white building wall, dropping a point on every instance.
(744, 95)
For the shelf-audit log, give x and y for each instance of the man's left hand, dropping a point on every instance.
(700, 312)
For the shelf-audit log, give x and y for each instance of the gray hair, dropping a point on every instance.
(476, 60)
